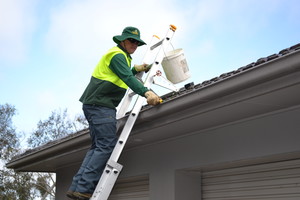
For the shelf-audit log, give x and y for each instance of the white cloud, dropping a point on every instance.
(16, 27)
(82, 29)
(242, 18)
(46, 99)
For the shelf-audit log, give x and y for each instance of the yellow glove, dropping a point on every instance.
(143, 67)
(152, 98)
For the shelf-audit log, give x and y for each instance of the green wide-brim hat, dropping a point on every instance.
(129, 32)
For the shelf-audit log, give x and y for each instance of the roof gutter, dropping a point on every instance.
(262, 73)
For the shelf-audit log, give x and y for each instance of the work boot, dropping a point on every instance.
(70, 194)
(82, 196)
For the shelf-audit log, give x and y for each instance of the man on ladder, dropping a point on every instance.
(108, 84)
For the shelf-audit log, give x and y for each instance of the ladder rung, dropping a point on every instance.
(114, 165)
(156, 45)
(131, 94)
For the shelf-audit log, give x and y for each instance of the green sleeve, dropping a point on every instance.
(133, 71)
(119, 66)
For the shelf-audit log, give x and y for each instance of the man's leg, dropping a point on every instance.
(102, 122)
(77, 177)
(86, 160)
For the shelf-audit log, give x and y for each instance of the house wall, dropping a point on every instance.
(174, 166)
(63, 180)
(263, 137)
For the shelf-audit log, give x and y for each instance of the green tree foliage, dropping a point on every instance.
(45, 184)
(16, 185)
(13, 185)
(56, 126)
(24, 186)
(8, 137)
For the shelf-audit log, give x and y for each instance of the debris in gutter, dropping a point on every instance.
(189, 86)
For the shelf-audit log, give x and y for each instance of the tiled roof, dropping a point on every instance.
(191, 87)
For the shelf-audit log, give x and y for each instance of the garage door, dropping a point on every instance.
(272, 181)
(136, 188)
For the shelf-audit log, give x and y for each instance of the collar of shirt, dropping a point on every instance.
(124, 50)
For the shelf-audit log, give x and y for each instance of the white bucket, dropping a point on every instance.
(175, 66)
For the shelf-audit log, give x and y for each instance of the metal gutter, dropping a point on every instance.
(51, 149)
(200, 94)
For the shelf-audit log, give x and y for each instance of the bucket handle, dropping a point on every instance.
(165, 51)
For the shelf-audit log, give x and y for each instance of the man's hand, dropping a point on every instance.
(143, 67)
(152, 98)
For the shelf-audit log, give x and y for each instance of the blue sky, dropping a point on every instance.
(48, 49)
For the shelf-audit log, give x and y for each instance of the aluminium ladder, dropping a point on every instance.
(113, 168)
